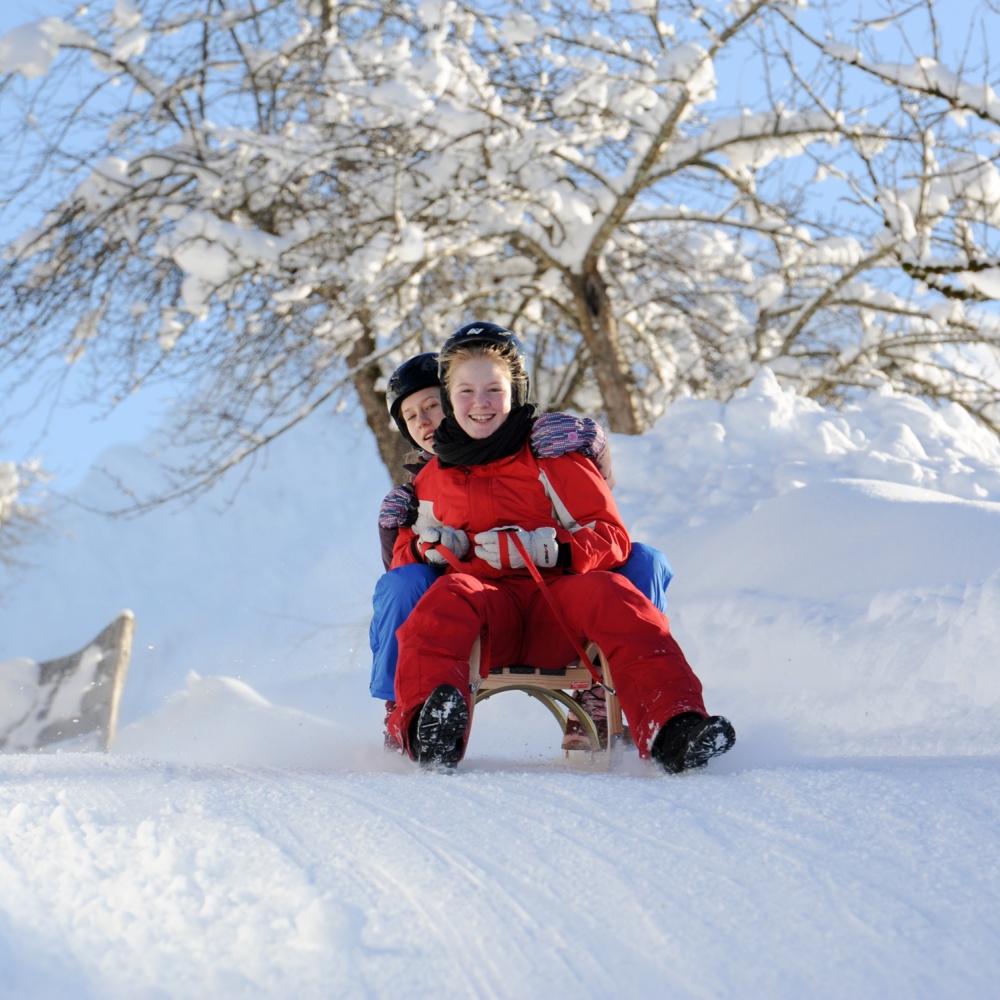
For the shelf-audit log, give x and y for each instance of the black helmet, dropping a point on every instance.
(498, 336)
(420, 372)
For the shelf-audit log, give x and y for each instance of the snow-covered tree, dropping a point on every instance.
(19, 508)
(271, 204)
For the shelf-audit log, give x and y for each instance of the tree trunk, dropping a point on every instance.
(392, 446)
(600, 331)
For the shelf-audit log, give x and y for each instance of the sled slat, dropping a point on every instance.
(545, 685)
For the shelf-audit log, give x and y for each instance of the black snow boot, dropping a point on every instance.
(437, 734)
(690, 740)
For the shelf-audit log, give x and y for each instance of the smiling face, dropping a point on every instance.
(421, 412)
(479, 391)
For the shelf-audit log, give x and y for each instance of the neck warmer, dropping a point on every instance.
(454, 447)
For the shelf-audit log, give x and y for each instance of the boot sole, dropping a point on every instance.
(441, 728)
(713, 738)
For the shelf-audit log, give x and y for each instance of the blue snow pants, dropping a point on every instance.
(396, 595)
(397, 592)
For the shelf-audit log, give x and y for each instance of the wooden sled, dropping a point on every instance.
(80, 694)
(550, 687)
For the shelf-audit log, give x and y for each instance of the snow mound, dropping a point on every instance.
(837, 589)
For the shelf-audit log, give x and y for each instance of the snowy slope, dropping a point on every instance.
(838, 591)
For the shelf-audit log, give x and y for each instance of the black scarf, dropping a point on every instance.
(454, 447)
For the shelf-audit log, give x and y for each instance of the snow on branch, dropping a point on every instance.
(270, 206)
(20, 505)
(32, 48)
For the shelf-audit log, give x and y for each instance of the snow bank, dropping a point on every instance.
(838, 591)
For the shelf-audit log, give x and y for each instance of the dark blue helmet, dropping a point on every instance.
(476, 334)
(483, 333)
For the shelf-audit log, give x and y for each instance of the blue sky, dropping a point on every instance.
(68, 439)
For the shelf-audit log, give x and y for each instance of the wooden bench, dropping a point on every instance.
(550, 687)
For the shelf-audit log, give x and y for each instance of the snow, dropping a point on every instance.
(30, 49)
(837, 589)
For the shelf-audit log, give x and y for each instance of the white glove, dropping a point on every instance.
(540, 544)
(453, 539)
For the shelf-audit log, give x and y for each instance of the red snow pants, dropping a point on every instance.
(653, 679)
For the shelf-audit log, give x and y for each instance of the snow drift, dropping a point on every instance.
(837, 589)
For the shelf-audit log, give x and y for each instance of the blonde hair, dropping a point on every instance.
(515, 369)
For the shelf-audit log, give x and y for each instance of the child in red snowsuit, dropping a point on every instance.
(484, 480)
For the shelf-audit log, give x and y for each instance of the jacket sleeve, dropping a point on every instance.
(554, 434)
(399, 508)
(589, 522)
(404, 551)
(387, 537)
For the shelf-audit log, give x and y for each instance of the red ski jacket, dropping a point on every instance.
(566, 492)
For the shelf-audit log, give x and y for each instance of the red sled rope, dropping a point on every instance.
(511, 535)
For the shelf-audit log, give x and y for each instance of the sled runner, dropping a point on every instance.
(78, 695)
(550, 687)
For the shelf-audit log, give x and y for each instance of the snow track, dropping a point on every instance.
(130, 880)
(248, 838)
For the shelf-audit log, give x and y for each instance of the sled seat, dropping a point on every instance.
(550, 687)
